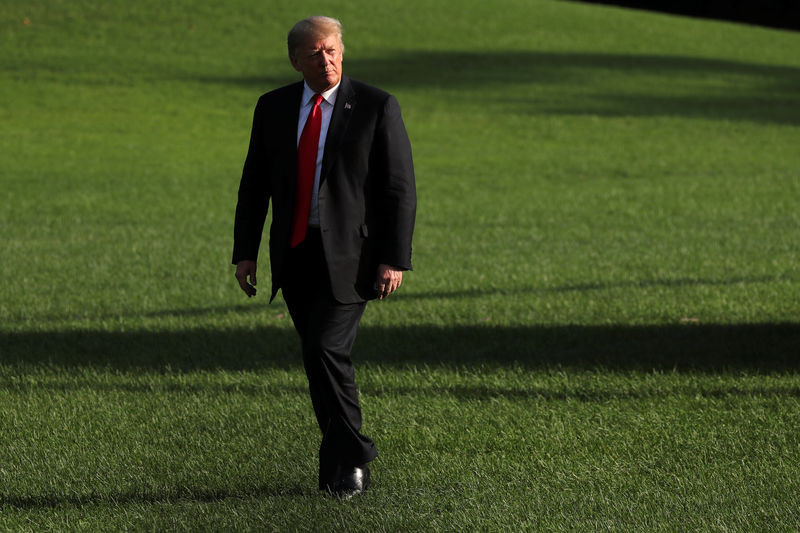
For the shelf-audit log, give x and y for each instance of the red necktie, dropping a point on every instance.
(306, 166)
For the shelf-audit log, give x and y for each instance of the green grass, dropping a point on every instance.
(601, 331)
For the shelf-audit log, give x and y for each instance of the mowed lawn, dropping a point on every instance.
(601, 332)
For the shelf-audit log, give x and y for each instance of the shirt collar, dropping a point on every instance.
(329, 95)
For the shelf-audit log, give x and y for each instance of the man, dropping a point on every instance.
(333, 156)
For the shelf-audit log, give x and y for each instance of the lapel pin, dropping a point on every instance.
(347, 105)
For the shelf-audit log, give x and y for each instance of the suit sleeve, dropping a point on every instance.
(397, 197)
(254, 194)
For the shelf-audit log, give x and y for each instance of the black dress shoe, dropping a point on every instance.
(352, 482)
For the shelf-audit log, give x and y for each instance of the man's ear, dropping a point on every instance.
(295, 63)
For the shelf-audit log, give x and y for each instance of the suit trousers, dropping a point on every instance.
(327, 329)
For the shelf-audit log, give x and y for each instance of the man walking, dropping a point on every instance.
(333, 157)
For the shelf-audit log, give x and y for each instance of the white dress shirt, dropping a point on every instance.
(326, 106)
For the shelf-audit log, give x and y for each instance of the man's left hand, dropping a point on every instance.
(389, 279)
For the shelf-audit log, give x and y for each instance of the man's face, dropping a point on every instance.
(320, 61)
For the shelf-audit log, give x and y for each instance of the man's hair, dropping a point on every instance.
(317, 27)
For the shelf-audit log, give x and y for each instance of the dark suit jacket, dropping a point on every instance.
(367, 195)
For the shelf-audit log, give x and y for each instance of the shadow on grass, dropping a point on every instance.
(202, 495)
(775, 13)
(685, 347)
(604, 84)
(250, 308)
(599, 286)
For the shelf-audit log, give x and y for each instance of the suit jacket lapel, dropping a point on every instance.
(287, 122)
(286, 143)
(342, 110)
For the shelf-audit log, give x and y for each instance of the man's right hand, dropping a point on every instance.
(246, 269)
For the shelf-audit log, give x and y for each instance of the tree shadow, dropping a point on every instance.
(604, 84)
(774, 13)
(685, 347)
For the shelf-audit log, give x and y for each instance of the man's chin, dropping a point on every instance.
(324, 83)
(330, 80)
